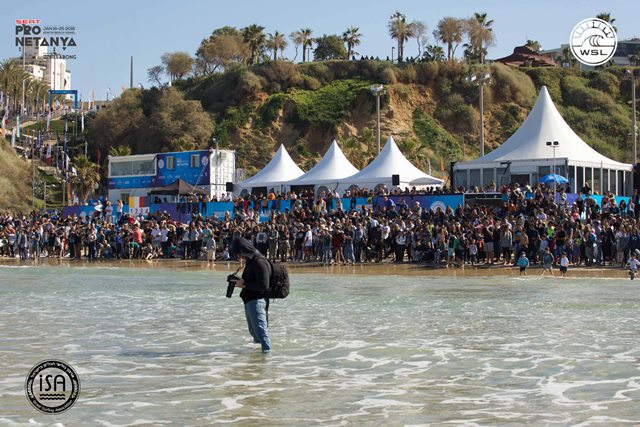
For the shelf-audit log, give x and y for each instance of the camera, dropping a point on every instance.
(231, 284)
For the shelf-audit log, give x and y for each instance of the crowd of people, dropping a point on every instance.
(527, 221)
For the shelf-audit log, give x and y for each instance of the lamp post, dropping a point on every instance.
(634, 74)
(481, 80)
(554, 145)
(377, 91)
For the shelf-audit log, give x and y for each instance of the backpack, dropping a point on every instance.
(278, 282)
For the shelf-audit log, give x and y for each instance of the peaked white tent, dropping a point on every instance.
(277, 172)
(390, 162)
(331, 169)
(526, 156)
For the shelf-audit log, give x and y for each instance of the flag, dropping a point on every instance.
(82, 122)
(65, 127)
(39, 141)
(74, 172)
(428, 166)
(18, 124)
(48, 119)
(13, 137)
(1, 97)
(4, 120)
(65, 163)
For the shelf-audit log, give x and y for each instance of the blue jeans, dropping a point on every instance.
(256, 314)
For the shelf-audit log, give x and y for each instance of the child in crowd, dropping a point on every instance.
(523, 263)
(633, 265)
(473, 252)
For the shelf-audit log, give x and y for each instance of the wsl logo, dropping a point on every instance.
(593, 41)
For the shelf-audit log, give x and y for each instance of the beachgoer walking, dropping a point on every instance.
(523, 263)
(564, 264)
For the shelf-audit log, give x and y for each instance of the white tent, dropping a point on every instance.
(332, 169)
(278, 172)
(529, 154)
(390, 162)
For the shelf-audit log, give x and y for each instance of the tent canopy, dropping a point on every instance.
(177, 187)
(544, 123)
(390, 162)
(278, 171)
(333, 167)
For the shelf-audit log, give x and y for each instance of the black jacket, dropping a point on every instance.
(256, 272)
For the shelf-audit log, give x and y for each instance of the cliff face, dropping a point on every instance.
(430, 109)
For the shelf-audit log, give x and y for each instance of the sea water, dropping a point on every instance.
(156, 347)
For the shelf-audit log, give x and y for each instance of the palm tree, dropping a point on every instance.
(296, 38)
(606, 17)
(533, 45)
(87, 178)
(449, 32)
(401, 31)
(120, 150)
(567, 58)
(434, 53)
(480, 36)
(307, 42)
(277, 42)
(11, 76)
(254, 37)
(415, 151)
(352, 38)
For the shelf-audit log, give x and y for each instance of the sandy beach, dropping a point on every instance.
(367, 269)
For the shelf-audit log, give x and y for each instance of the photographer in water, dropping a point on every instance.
(254, 284)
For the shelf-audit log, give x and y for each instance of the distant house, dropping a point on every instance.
(524, 56)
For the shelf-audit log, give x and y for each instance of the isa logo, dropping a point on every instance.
(52, 386)
(593, 41)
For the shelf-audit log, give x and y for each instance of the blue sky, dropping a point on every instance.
(110, 32)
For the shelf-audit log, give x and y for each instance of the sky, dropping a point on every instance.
(108, 33)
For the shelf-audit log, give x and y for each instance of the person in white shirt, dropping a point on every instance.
(564, 264)
(633, 265)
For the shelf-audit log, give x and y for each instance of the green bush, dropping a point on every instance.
(549, 77)
(389, 76)
(510, 85)
(430, 133)
(269, 110)
(605, 82)
(457, 114)
(577, 94)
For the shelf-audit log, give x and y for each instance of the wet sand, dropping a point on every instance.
(367, 269)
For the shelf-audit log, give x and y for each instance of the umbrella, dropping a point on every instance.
(553, 177)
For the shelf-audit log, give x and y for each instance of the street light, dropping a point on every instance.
(480, 80)
(377, 91)
(554, 145)
(634, 75)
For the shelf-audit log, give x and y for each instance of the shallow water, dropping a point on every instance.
(166, 347)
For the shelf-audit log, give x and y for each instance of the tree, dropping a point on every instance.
(296, 38)
(533, 45)
(567, 58)
(87, 178)
(401, 31)
(177, 64)
(154, 74)
(120, 150)
(450, 32)
(277, 42)
(307, 43)
(352, 38)
(254, 37)
(635, 58)
(480, 36)
(11, 75)
(606, 17)
(420, 34)
(434, 53)
(223, 48)
(329, 47)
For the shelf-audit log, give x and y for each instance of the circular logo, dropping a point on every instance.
(204, 160)
(52, 386)
(438, 205)
(160, 164)
(593, 41)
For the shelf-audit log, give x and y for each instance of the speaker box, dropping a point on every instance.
(229, 187)
(395, 179)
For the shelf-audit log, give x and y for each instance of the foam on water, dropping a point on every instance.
(162, 347)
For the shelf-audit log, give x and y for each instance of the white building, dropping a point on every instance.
(46, 66)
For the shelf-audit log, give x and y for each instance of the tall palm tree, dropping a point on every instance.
(401, 31)
(449, 32)
(254, 37)
(606, 17)
(434, 53)
(87, 178)
(352, 38)
(296, 38)
(277, 42)
(307, 42)
(11, 76)
(480, 36)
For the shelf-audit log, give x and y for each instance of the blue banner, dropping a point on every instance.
(219, 209)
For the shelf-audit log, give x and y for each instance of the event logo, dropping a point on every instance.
(438, 205)
(52, 386)
(593, 41)
(204, 161)
(160, 164)
(33, 33)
